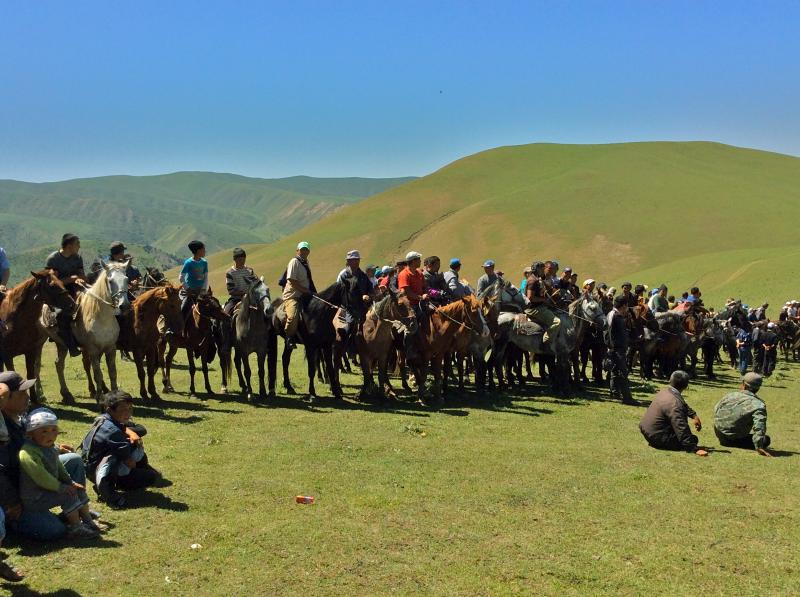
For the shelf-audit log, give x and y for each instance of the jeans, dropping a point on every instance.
(46, 526)
(2, 525)
(111, 466)
(744, 360)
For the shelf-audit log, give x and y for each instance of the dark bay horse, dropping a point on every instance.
(317, 333)
(197, 339)
(139, 333)
(23, 334)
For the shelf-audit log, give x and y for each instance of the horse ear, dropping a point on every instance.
(127, 263)
(261, 278)
(38, 275)
(104, 264)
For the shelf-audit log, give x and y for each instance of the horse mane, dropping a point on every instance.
(92, 301)
(243, 315)
(380, 307)
(16, 296)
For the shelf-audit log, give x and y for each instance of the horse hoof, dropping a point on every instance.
(289, 390)
(223, 390)
(271, 395)
(65, 399)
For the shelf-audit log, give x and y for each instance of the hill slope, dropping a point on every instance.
(680, 213)
(167, 211)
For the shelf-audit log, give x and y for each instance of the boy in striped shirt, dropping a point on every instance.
(237, 280)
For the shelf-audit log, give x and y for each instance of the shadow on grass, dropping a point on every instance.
(783, 453)
(23, 591)
(151, 499)
(36, 548)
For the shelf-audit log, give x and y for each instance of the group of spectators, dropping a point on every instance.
(38, 474)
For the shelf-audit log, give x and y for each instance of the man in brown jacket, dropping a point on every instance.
(665, 425)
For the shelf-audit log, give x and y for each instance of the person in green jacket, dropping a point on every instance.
(740, 418)
(44, 483)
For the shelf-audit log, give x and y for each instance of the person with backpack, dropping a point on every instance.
(113, 451)
(298, 286)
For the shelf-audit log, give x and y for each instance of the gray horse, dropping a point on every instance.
(253, 333)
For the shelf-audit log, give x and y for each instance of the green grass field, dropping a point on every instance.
(516, 494)
(655, 212)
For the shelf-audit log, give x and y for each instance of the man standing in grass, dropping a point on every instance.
(665, 425)
(618, 343)
(740, 418)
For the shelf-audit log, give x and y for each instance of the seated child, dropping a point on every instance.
(114, 453)
(44, 482)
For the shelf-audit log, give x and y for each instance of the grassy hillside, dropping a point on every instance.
(165, 212)
(720, 216)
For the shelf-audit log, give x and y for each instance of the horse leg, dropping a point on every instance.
(333, 377)
(98, 378)
(153, 362)
(91, 373)
(237, 358)
(139, 361)
(204, 365)
(111, 365)
(272, 361)
(311, 360)
(528, 371)
(33, 362)
(192, 369)
(286, 357)
(61, 357)
(261, 357)
(244, 359)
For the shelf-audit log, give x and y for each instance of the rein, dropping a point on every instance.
(461, 323)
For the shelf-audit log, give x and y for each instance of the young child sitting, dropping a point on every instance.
(114, 452)
(44, 482)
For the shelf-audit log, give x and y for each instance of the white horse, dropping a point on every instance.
(96, 329)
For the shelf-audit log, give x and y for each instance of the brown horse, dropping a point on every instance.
(376, 341)
(197, 339)
(139, 333)
(21, 311)
(450, 326)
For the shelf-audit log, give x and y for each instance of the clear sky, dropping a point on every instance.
(380, 88)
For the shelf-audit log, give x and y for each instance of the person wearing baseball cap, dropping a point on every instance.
(455, 286)
(355, 312)
(488, 278)
(298, 286)
(740, 418)
(411, 280)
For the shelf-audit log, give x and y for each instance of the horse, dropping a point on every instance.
(96, 330)
(666, 346)
(197, 339)
(375, 343)
(23, 332)
(317, 333)
(450, 326)
(529, 337)
(140, 333)
(252, 332)
(704, 334)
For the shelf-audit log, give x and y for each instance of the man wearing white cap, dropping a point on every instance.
(351, 271)
(298, 285)
(411, 280)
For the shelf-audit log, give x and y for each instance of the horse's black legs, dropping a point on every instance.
(286, 358)
(272, 361)
(204, 362)
(190, 359)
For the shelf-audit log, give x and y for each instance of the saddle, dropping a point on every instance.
(525, 327)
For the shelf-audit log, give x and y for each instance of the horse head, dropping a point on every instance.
(52, 291)
(593, 311)
(473, 315)
(259, 298)
(402, 310)
(117, 282)
(208, 306)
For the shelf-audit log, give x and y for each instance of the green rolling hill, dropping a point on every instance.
(158, 215)
(722, 217)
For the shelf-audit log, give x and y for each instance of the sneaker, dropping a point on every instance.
(96, 525)
(9, 573)
(94, 514)
(81, 531)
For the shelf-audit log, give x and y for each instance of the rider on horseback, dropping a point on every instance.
(67, 264)
(353, 270)
(540, 301)
(237, 280)
(297, 286)
(194, 277)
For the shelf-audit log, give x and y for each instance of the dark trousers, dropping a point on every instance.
(619, 384)
(770, 358)
(745, 442)
(667, 440)
(231, 303)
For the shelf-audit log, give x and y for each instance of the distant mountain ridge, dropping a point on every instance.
(166, 211)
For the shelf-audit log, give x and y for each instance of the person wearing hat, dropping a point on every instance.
(587, 290)
(488, 278)
(455, 287)
(39, 526)
(573, 285)
(117, 254)
(44, 482)
(740, 418)
(194, 277)
(114, 451)
(238, 279)
(298, 287)
(768, 349)
(411, 281)
(618, 343)
(354, 312)
(525, 274)
(565, 281)
(371, 271)
(67, 265)
(540, 303)
(631, 299)
(665, 424)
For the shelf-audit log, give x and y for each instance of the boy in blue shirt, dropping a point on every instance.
(194, 276)
(744, 342)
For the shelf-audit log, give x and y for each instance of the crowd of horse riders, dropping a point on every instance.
(411, 317)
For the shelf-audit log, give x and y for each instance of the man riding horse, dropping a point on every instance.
(67, 265)
(541, 302)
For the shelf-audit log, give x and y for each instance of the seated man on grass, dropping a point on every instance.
(665, 425)
(740, 418)
(114, 452)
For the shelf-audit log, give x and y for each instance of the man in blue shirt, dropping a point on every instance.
(5, 268)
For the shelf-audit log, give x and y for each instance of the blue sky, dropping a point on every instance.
(380, 88)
